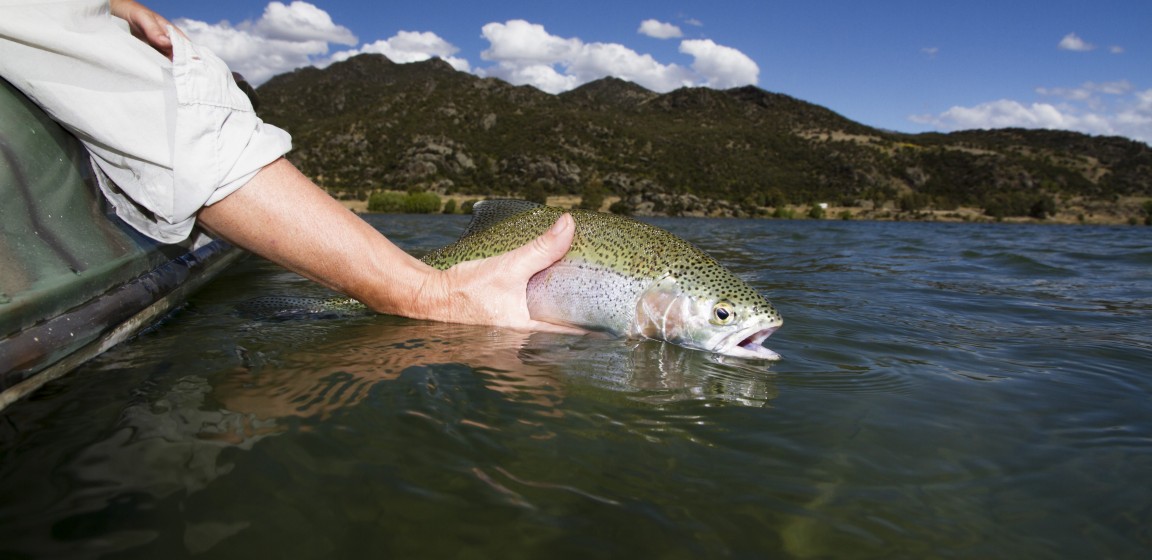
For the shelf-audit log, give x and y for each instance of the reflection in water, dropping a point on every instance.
(339, 371)
(327, 375)
(158, 451)
(655, 372)
(175, 440)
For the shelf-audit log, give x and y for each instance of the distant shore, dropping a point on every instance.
(1124, 212)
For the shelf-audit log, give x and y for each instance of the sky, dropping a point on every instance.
(902, 65)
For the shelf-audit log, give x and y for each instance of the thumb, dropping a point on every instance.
(549, 247)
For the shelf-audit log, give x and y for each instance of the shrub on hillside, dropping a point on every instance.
(411, 203)
(421, 203)
(388, 202)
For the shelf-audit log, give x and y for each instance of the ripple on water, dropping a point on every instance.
(938, 396)
(849, 379)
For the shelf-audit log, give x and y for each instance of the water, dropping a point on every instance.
(949, 391)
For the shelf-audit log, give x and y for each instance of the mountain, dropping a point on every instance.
(367, 124)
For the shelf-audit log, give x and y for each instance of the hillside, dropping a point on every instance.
(368, 124)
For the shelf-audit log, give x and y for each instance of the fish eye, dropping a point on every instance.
(723, 313)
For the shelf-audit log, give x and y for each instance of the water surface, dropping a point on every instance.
(947, 390)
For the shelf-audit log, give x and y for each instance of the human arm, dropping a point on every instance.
(281, 215)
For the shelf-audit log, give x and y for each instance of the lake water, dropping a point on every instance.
(946, 391)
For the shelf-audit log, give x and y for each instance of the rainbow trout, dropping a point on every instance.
(623, 277)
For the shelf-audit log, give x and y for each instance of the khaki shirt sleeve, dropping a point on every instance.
(168, 137)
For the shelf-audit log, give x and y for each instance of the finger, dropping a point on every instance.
(156, 28)
(158, 35)
(546, 249)
(153, 29)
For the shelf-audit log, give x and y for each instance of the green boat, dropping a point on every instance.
(74, 279)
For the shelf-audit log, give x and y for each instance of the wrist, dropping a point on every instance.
(403, 286)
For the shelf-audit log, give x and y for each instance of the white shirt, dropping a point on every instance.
(168, 136)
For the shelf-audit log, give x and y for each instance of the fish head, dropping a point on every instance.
(723, 315)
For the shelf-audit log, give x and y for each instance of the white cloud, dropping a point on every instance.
(541, 76)
(295, 35)
(257, 58)
(285, 37)
(1088, 89)
(1109, 108)
(598, 60)
(526, 53)
(1072, 42)
(930, 52)
(410, 46)
(300, 21)
(1002, 114)
(520, 42)
(720, 66)
(659, 30)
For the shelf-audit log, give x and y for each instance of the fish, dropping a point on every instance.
(297, 307)
(622, 277)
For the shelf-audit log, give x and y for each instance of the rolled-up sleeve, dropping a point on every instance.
(168, 137)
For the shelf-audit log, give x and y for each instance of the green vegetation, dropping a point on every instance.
(369, 125)
(536, 192)
(593, 196)
(621, 208)
(410, 203)
(421, 203)
(387, 202)
(1020, 204)
(915, 202)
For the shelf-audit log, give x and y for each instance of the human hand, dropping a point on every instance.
(146, 25)
(493, 291)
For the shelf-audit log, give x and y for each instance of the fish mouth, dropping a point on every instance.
(750, 346)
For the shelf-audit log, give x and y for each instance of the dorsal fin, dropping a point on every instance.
(487, 213)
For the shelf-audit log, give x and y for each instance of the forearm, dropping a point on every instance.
(281, 215)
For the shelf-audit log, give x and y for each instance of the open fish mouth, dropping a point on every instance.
(751, 346)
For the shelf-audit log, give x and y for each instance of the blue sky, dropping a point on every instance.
(910, 66)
